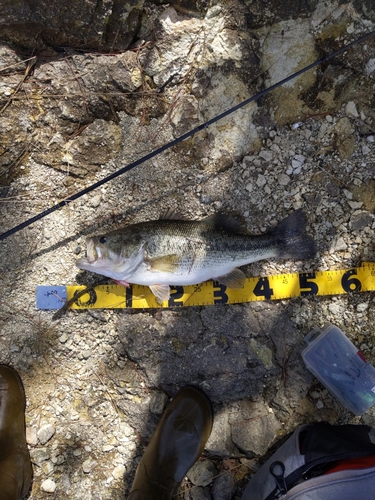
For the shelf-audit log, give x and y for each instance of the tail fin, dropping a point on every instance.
(292, 240)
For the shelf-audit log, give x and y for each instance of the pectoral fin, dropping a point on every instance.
(234, 279)
(161, 292)
(165, 263)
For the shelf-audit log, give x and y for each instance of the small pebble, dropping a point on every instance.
(362, 307)
(158, 402)
(47, 467)
(63, 338)
(351, 109)
(31, 436)
(45, 433)
(261, 180)
(202, 473)
(48, 486)
(39, 455)
(266, 154)
(283, 179)
(89, 465)
(118, 472)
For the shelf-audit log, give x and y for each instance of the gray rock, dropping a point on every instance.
(87, 152)
(45, 433)
(85, 354)
(181, 353)
(63, 338)
(223, 486)
(202, 473)
(266, 154)
(88, 465)
(220, 441)
(362, 307)
(276, 57)
(158, 402)
(31, 436)
(39, 455)
(83, 24)
(345, 141)
(256, 431)
(360, 219)
(336, 308)
(197, 493)
(337, 244)
(283, 179)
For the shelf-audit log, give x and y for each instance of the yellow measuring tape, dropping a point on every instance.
(281, 286)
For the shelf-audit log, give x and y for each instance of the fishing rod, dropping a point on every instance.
(181, 138)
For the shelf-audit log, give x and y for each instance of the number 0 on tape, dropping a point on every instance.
(281, 286)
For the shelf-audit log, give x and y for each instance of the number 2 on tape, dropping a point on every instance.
(176, 293)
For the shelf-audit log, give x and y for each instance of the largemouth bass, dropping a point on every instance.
(176, 251)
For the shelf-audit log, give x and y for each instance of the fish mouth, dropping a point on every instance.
(93, 253)
(97, 261)
(93, 256)
(87, 263)
(83, 264)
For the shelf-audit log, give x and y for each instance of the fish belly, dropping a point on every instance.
(192, 272)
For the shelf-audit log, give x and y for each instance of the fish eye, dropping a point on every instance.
(102, 239)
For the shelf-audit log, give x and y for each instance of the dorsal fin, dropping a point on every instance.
(172, 214)
(227, 222)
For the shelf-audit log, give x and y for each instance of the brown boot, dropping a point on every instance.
(15, 464)
(176, 445)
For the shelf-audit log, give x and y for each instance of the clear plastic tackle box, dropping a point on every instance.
(341, 368)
